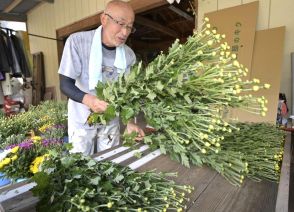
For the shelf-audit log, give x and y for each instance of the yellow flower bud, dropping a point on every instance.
(15, 149)
(267, 86)
(14, 157)
(210, 42)
(206, 19)
(255, 88)
(109, 204)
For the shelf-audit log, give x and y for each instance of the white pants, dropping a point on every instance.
(89, 141)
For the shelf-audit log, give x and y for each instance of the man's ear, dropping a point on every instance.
(103, 19)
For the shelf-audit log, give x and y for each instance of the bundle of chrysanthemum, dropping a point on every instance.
(183, 95)
(261, 146)
(78, 183)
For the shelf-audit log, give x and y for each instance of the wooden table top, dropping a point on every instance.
(212, 192)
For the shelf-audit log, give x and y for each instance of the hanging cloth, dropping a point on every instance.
(21, 56)
(15, 57)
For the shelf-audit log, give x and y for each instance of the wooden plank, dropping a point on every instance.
(283, 191)
(199, 177)
(252, 196)
(22, 203)
(12, 5)
(216, 192)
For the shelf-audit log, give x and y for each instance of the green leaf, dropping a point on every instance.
(133, 91)
(95, 180)
(126, 114)
(118, 178)
(77, 176)
(147, 184)
(159, 85)
(162, 149)
(67, 161)
(109, 114)
(151, 95)
(149, 70)
(187, 98)
(196, 160)
(185, 160)
(43, 181)
(180, 80)
(99, 90)
(109, 170)
(91, 163)
(107, 186)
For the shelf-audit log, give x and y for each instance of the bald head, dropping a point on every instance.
(117, 5)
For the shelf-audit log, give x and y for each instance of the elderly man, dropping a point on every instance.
(89, 57)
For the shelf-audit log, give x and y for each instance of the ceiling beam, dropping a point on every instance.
(12, 5)
(181, 13)
(156, 26)
(13, 17)
(48, 1)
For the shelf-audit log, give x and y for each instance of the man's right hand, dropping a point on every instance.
(95, 104)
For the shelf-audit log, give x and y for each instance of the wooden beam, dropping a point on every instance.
(12, 5)
(48, 1)
(156, 26)
(13, 17)
(181, 13)
(94, 21)
(145, 5)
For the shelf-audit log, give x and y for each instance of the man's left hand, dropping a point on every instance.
(131, 127)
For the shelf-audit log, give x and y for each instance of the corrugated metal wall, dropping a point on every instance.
(46, 18)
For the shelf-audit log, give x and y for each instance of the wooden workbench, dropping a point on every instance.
(212, 192)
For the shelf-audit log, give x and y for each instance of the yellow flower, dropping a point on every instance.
(206, 19)
(37, 138)
(14, 157)
(6, 161)
(34, 167)
(15, 149)
(44, 127)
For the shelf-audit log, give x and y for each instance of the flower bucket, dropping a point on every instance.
(4, 181)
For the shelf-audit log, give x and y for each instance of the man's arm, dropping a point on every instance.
(68, 88)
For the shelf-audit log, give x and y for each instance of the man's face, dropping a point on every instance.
(117, 25)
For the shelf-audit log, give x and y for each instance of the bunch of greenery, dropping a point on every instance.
(48, 112)
(183, 95)
(78, 183)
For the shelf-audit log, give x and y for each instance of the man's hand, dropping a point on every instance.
(131, 127)
(96, 105)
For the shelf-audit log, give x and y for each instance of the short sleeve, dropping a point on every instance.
(70, 64)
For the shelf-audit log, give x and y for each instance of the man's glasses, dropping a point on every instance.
(121, 24)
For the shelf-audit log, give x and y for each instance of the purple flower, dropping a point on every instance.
(26, 144)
